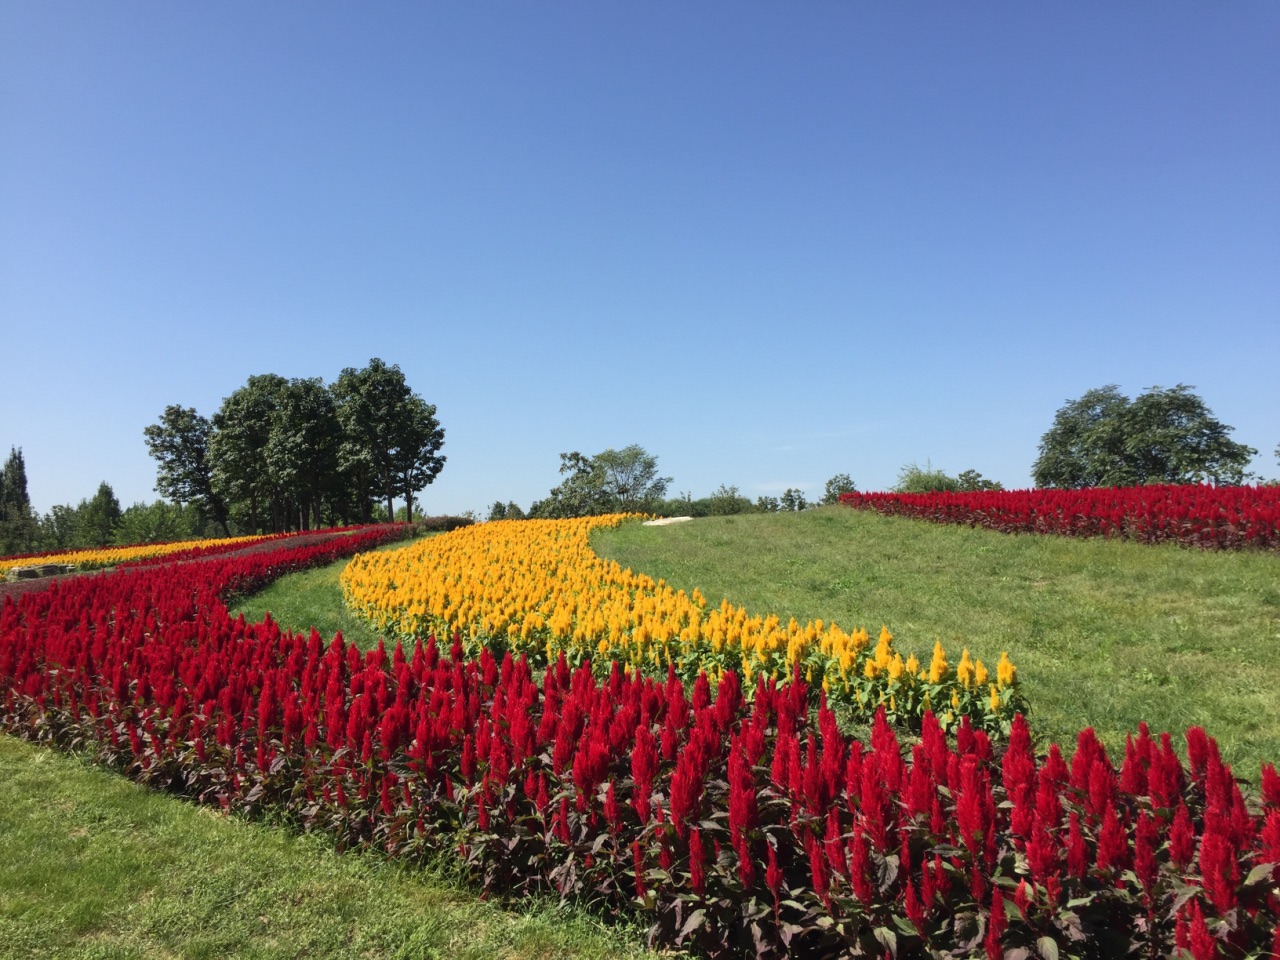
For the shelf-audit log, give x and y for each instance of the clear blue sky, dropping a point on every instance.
(769, 242)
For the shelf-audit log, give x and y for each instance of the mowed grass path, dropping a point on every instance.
(94, 866)
(1104, 633)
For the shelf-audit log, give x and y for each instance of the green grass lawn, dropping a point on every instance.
(94, 866)
(1104, 633)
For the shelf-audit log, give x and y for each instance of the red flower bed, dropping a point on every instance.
(1194, 515)
(748, 828)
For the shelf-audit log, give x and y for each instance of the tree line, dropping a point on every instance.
(294, 454)
(1101, 439)
(96, 521)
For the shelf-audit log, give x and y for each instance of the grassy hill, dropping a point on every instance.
(1104, 633)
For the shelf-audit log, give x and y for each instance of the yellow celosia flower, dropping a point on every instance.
(938, 666)
(964, 669)
(1006, 672)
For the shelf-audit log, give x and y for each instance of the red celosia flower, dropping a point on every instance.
(1219, 870)
(913, 908)
(1182, 838)
(697, 862)
(1113, 843)
(1203, 944)
(996, 923)
(858, 857)
(638, 859)
(1146, 841)
(1270, 785)
(818, 869)
(1077, 855)
(772, 874)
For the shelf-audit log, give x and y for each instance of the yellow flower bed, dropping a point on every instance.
(110, 556)
(536, 587)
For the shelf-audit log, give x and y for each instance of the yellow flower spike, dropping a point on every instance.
(995, 698)
(955, 699)
(938, 666)
(913, 666)
(1006, 672)
(979, 674)
(965, 670)
(897, 668)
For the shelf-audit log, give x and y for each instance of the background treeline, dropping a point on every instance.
(627, 480)
(278, 455)
(296, 454)
(96, 521)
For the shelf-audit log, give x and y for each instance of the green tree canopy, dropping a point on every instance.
(98, 517)
(180, 444)
(1104, 439)
(391, 438)
(18, 526)
(612, 481)
(840, 483)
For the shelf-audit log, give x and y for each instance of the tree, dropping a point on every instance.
(417, 459)
(391, 437)
(237, 451)
(840, 483)
(18, 526)
(613, 481)
(505, 511)
(914, 478)
(180, 444)
(98, 517)
(159, 522)
(1104, 439)
(302, 447)
(767, 505)
(971, 481)
(726, 501)
(792, 499)
(630, 479)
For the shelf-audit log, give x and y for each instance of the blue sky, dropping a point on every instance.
(768, 242)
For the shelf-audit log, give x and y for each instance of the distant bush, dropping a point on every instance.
(914, 478)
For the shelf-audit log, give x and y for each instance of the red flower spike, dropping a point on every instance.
(772, 874)
(913, 908)
(697, 862)
(1022, 897)
(818, 870)
(1270, 785)
(1146, 842)
(1113, 843)
(1203, 944)
(638, 866)
(996, 924)
(1182, 838)
(1077, 855)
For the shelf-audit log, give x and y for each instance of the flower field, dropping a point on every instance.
(1193, 515)
(111, 556)
(739, 818)
(535, 588)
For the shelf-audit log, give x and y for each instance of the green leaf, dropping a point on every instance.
(905, 926)
(1260, 874)
(1047, 947)
(887, 939)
